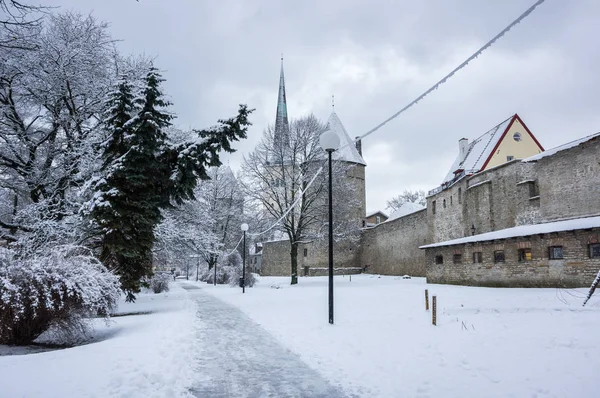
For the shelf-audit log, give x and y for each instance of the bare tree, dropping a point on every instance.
(19, 24)
(407, 196)
(276, 175)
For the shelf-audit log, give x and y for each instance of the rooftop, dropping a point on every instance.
(524, 230)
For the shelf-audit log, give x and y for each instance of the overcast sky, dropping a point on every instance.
(374, 56)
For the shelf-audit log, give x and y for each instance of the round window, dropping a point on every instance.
(517, 136)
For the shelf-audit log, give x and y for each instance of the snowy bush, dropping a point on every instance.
(229, 271)
(160, 282)
(58, 290)
(233, 267)
(209, 276)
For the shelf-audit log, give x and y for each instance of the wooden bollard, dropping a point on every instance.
(433, 310)
(426, 300)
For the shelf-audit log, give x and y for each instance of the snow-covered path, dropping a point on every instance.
(238, 358)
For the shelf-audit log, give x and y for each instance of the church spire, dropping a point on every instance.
(282, 127)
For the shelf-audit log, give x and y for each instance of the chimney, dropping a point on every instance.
(359, 145)
(463, 146)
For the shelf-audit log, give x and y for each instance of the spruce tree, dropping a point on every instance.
(143, 174)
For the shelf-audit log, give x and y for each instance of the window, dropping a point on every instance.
(450, 200)
(533, 189)
(305, 252)
(509, 158)
(439, 259)
(459, 195)
(555, 252)
(444, 203)
(477, 257)
(595, 250)
(457, 258)
(499, 256)
(517, 137)
(433, 207)
(524, 254)
(378, 219)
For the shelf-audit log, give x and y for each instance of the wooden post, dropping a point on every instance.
(426, 300)
(433, 310)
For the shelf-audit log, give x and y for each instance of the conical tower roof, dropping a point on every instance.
(347, 151)
(282, 126)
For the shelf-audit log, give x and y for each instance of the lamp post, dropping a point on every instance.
(330, 142)
(215, 278)
(244, 228)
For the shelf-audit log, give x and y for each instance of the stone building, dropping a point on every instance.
(313, 255)
(482, 225)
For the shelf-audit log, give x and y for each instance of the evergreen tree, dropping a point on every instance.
(143, 174)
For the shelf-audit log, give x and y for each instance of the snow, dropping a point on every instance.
(275, 340)
(488, 342)
(478, 151)
(134, 356)
(347, 150)
(479, 183)
(404, 210)
(525, 230)
(563, 147)
(373, 213)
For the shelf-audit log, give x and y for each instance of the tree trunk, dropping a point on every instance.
(294, 258)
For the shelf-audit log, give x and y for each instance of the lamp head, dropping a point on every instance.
(329, 141)
(244, 227)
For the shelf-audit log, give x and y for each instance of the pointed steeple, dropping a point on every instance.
(282, 127)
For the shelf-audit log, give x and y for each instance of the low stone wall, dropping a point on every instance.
(576, 269)
(392, 247)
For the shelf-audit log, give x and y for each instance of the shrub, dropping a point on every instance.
(229, 271)
(160, 282)
(58, 290)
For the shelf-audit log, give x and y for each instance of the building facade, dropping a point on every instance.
(501, 182)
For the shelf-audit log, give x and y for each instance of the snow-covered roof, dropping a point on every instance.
(373, 213)
(347, 151)
(568, 145)
(524, 230)
(478, 150)
(405, 209)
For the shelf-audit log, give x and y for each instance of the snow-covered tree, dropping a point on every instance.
(277, 172)
(51, 99)
(407, 196)
(144, 173)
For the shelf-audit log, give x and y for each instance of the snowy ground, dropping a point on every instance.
(207, 342)
(134, 356)
(488, 342)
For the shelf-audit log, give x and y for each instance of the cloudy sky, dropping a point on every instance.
(374, 56)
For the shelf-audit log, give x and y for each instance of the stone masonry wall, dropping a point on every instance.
(392, 247)
(576, 269)
(276, 258)
(569, 182)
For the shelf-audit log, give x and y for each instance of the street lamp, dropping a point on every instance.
(244, 228)
(330, 142)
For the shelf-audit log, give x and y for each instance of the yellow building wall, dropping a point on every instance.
(509, 147)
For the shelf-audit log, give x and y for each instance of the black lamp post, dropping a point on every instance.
(244, 227)
(330, 142)
(215, 278)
